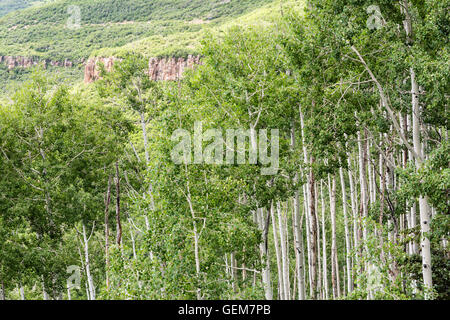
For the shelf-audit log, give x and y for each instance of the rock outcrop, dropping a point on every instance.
(170, 68)
(159, 69)
(12, 62)
(91, 71)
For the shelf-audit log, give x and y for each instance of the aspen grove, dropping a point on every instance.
(92, 205)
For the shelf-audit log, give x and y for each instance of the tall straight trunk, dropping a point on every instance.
(306, 209)
(263, 223)
(319, 256)
(354, 202)
(88, 265)
(363, 182)
(334, 258)
(324, 245)
(382, 203)
(347, 233)
(107, 203)
(196, 240)
(313, 226)
(284, 253)
(298, 238)
(277, 253)
(424, 208)
(297, 229)
(286, 235)
(118, 222)
(311, 219)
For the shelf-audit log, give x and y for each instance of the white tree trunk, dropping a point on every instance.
(263, 223)
(334, 258)
(423, 202)
(277, 253)
(284, 253)
(347, 233)
(324, 246)
(298, 238)
(363, 182)
(88, 265)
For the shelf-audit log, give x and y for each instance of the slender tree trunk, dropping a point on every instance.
(277, 253)
(107, 202)
(118, 222)
(313, 223)
(319, 256)
(308, 234)
(424, 208)
(334, 259)
(263, 223)
(284, 253)
(324, 245)
(354, 202)
(363, 182)
(88, 265)
(298, 238)
(347, 233)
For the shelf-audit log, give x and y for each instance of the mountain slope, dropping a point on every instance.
(42, 31)
(7, 6)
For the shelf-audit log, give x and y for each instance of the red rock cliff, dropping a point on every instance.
(158, 68)
(91, 71)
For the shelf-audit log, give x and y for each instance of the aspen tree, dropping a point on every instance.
(334, 258)
(324, 246)
(347, 233)
(264, 224)
(284, 253)
(278, 254)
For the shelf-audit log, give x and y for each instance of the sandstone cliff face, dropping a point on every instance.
(159, 69)
(12, 62)
(170, 68)
(91, 71)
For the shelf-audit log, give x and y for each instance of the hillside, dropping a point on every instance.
(41, 31)
(7, 6)
(227, 151)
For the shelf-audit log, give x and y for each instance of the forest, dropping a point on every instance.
(337, 187)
